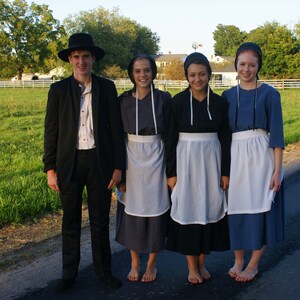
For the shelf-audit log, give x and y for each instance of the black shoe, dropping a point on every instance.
(64, 285)
(110, 281)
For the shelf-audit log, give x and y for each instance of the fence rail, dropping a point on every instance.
(125, 84)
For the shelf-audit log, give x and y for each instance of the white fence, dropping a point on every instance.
(26, 83)
(125, 84)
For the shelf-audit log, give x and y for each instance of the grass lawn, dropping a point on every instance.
(23, 188)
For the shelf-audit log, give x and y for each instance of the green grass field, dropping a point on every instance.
(24, 193)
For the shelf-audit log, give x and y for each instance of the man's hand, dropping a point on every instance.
(52, 180)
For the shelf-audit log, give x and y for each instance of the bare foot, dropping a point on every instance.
(235, 270)
(133, 275)
(247, 275)
(204, 274)
(195, 278)
(150, 274)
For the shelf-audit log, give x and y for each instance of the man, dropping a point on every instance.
(83, 147)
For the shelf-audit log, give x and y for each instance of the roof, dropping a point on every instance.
(227, 68)
(169, 57)
(228, 58)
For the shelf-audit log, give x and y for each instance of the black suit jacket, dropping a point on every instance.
(61, 127)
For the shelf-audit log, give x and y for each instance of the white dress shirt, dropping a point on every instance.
(85, 127)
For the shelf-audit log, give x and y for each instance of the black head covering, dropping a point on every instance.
(81, 41)
(152, 64)
(249, 46)
(196, 58)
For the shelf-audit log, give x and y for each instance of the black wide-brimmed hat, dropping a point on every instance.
(81, 41)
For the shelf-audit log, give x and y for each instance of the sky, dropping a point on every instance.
(181, 23)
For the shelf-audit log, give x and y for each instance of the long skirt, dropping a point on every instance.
(196, 239)
(255, 213)
(141, 234)
(252, 231)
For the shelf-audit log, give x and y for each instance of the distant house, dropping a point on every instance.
(26, 76)
(54, 74)
(222, 66)
(225, 72)
(58, 72)
(35, 76)
(227, 75)
(221, 59)
(163, 60)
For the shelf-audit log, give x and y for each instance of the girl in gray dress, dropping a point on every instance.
(143, 200)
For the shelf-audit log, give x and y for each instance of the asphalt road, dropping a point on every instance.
(278, 278)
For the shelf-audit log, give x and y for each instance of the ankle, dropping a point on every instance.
(252, 267)
(239, 262)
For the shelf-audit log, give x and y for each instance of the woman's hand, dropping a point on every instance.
(172, 182)
(275, 183)
(122, 187)
(224, 183)
(115, 179)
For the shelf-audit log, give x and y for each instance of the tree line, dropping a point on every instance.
(30, 38)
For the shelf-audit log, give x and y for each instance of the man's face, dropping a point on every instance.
(82, 62)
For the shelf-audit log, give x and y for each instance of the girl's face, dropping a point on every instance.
(197, 77)
(247, 66)
(142, 72)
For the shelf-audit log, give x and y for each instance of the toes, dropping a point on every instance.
(246, 276)
(149, 276)
(232, 273)
(195, 280)
(235, 271)
(133, 275)
(205, 274)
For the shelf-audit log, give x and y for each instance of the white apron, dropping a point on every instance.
(146, 183)
(197, 197)
(252, 166)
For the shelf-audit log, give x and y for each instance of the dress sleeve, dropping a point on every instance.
(171, 139)
(275, 120)
(225, 139)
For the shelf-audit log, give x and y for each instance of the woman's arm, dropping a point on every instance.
(275, 179)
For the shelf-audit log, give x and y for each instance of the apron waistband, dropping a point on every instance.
(186, 136)
(144, 138)
(248, 134)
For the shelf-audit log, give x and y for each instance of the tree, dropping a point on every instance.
(114, 72)
(220, 66)
(29, 36)
(297, 30)
(145, 42)
(174, 70)
(227, 39)
(120, 37)
(280, 49)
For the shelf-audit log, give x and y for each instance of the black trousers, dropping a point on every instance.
(86, 174)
